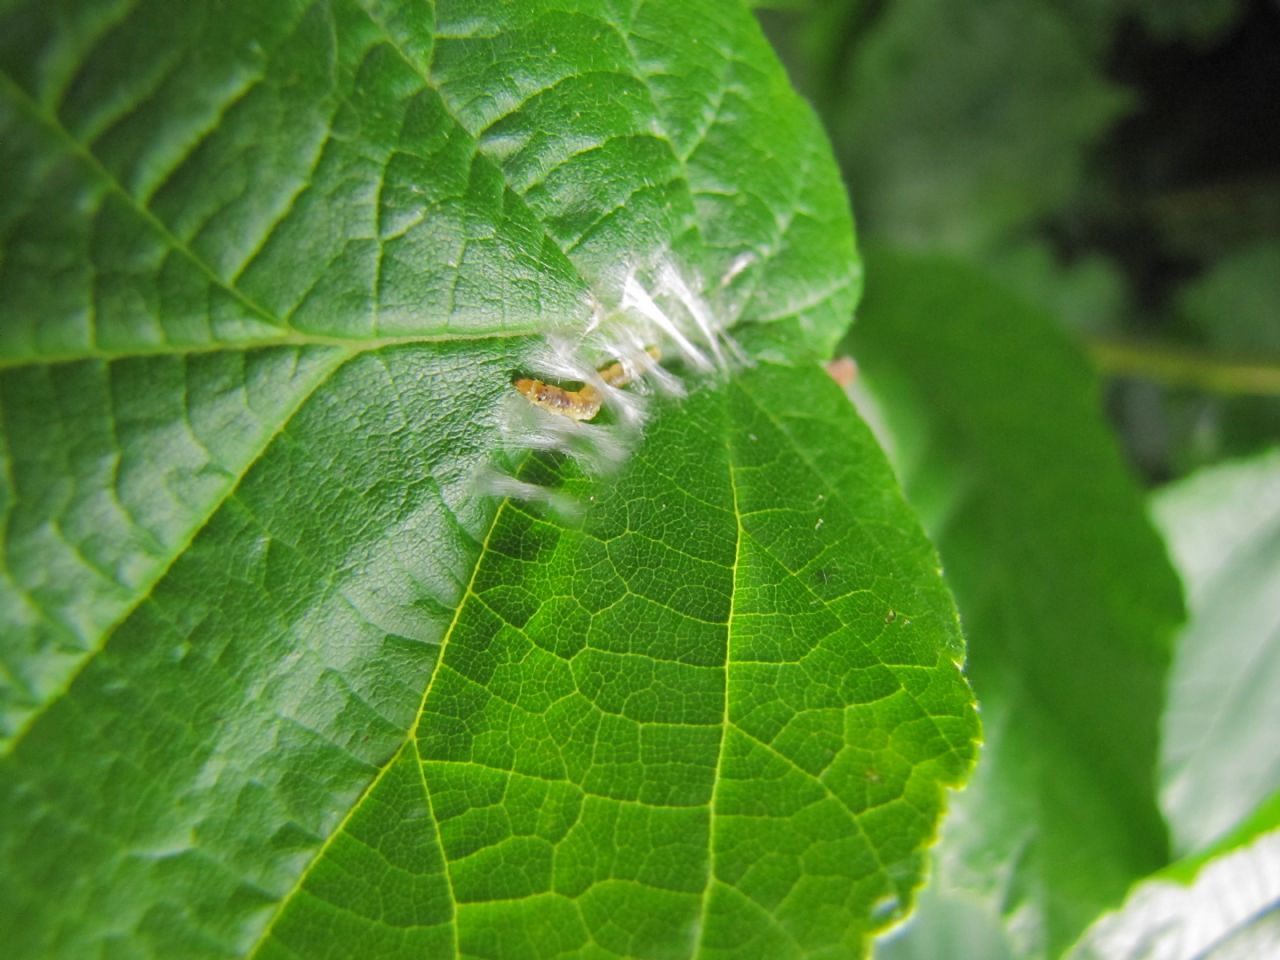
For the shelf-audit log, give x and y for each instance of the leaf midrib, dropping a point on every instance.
(739, 533)
(410, 739)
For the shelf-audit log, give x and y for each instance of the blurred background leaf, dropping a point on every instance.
(1234, 304)
(954, 154)
(1220, 760)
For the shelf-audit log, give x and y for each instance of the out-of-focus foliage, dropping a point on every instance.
(1088, 294)
(1236, 304)
(1220, 758)
(1197, 21)
(959, 156)
(1218, 905)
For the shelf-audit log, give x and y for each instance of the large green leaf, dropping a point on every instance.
(1067, 598)
(336, 179)
(282, 675)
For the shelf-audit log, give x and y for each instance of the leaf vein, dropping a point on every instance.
(704, 912)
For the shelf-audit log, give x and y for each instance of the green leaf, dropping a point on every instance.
(1220, 767)
(1222, 904)
(280, 674)
(1068, 602)
(715, 713)
(1219, 756)
(337, 179)
(805, 748)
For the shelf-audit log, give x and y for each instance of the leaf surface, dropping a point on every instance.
(336, 179)
(721, 730)
(281, 675)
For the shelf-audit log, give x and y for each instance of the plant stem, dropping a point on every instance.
(1177, 367)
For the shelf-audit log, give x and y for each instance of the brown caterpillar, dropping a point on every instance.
(583, 403)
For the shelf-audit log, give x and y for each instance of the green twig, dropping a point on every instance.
(1177, 367)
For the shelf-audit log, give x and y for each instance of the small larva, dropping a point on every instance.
(576, 404)
(581, 404)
